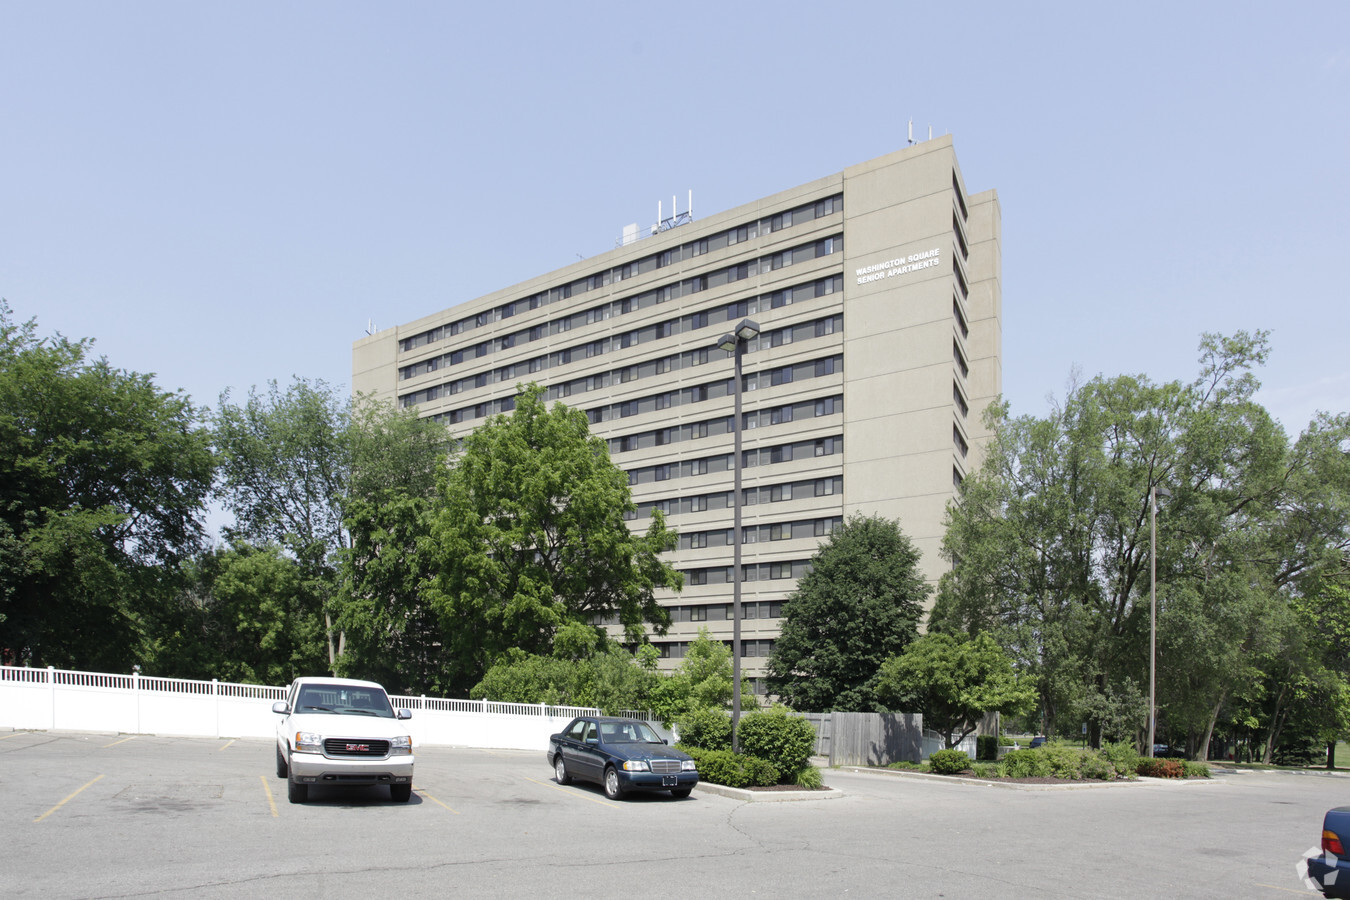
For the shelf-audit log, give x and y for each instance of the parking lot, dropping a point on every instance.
(88, 815)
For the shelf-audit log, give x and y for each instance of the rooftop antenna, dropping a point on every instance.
(911, 132)
(370, 326)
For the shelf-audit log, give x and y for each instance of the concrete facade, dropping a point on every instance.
(877, 292)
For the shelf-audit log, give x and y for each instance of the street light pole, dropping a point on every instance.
(1153, 493)
(735, 344)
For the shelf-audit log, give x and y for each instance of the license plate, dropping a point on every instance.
(670, 780)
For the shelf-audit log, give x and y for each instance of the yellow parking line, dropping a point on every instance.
(12, 734)
(63, 802)
(434, 800)
(268, 791)
(229, 742)
(115, 743)
(572, 793)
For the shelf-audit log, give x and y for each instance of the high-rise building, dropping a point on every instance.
(876, 291)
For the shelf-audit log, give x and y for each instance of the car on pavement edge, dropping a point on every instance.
(342, 732)
(622, 756)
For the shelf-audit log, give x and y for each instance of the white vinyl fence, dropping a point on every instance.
(60, 700)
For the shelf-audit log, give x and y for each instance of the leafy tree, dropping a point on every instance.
(103, 480)
(285, 466)
(529, 535)
(953, 682)
(612, 680)
(858, 606)
(702, 680)
(245, 617)
(383, 607)
(293, 465)
(1050, 542)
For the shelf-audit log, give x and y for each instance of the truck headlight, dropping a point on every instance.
(636, 765)
(400, 746)
(308, 742)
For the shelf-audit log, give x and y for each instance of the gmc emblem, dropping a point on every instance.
(358, 748)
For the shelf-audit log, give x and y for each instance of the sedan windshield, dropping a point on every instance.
(628, 733)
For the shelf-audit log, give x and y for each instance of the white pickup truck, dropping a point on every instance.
(338, 731)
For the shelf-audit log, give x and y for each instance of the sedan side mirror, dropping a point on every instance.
(280, 708)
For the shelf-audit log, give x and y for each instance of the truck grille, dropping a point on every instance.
(666, 766)
(355, 747)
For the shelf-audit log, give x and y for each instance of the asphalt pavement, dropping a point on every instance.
(106, 816)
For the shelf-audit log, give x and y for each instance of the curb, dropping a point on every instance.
(767, 796)
(1017, 786)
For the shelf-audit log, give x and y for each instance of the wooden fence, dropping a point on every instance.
(867, 739)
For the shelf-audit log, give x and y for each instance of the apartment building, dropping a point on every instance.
(876, 292)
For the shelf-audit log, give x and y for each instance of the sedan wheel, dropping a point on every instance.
(680, 793)
(612, 789)
(560, 770)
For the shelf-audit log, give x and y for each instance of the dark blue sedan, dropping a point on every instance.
(1331, 870)
(620, 755)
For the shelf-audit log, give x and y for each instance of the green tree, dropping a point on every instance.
(611, 679)
(285, 464)
(702, 680)
(253, 620)
(859, 605)
(1050, 541)
(383, 608)
(103, 480)
(953, 682)
(295, 463)
(529, 535)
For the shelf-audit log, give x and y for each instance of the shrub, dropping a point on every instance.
(949, 762)
(733, 769)
(1006, 742)
(985, 770)
(986, 747)
(705, 727)
(784, 740)
(1124, 759)
(1064, 762)
(759, 772)
(1192, 769)
(905, 764)
(1160, 768)
(1025, 764)
(1096, 766)
(808, 777)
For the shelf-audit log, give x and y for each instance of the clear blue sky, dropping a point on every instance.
(225, 193)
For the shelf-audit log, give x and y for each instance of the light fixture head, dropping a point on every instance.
(727, 342)
(747, 329)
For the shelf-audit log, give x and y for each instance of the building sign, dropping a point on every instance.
(901, 265)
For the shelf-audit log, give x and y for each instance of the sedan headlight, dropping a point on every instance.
(636, 765)
(308, 742)
(688, 765)
(400, 746)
